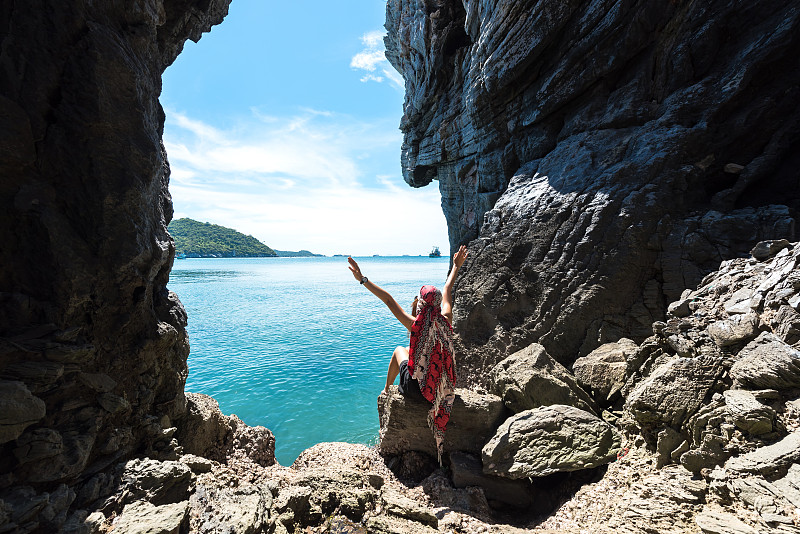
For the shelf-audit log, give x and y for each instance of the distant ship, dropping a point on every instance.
(435, 253)
(181, 256)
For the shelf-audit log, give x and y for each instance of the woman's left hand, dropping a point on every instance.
(460, 256)
(355, 269)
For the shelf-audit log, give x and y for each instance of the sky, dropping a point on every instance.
(282, 123)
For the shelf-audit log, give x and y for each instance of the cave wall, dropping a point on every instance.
(92, 344)
(583, 150)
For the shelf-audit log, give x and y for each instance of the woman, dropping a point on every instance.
(427, 366)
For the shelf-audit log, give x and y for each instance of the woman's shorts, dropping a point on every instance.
(409, 387)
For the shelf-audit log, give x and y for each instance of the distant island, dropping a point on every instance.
(194, 239)
(298, 254)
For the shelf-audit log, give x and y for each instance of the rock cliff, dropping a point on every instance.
(599, 157)
(92, 345)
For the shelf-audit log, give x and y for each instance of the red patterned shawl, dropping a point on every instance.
(431, 361)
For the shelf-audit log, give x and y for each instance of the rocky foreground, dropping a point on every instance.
(697, 429)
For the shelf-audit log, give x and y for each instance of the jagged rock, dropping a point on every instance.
(350, 491)
(713, 522)
(23, 509)
(767, 362)
(789, 486)
(764, 497)
(204, 428)
(468, 471)
(255, 442)
(769, 460)
(604, 370)
(413, 465)
(747, 413)
(404, 426)
(38, 376)
(442, 493)
(679, 308)
(764, 249)
(142, 517)
(737, 329)
(100, 382)
(243, 509)
(548, 440)
(674, 391)
(157, 482)
(205, 431)
(82, 522)
(530, 378)
(18, 409)
(398, 505)
(294, 499)
(393, 525)
(197, 464)
(670, 446)
(38, 444)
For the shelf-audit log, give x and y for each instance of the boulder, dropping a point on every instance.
(18, 409)
(674, 391)
(737, 329)
(764, 249)
(530, 378)
(404, 423)
(747, 413)
(768, 363)
(604, 370)
(547, 440)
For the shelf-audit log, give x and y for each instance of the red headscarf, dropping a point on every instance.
(430, 358)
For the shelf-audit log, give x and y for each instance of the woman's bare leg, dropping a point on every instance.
(400, 354)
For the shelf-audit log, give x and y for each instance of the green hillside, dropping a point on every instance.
(196, 239)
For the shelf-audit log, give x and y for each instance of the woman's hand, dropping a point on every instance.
(460, 256)
(355, 269)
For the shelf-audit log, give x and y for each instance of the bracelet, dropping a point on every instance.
(364, 279)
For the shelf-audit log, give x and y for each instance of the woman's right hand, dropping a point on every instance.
(355, 269)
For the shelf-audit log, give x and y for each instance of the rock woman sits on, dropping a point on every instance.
(427, 366)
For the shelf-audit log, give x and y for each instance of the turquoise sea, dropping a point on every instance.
(296, 344)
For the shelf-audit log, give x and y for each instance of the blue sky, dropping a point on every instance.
(282, 123)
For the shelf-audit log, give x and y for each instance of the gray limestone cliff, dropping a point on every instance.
(599, 157)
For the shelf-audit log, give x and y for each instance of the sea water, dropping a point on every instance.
(297, 344)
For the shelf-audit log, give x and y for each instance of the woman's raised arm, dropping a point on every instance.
(447, 294)
(401, 315)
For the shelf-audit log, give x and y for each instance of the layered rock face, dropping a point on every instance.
(599, 156)
(92, 345)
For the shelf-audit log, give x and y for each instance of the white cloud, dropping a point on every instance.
(308, 181)
(373, 60)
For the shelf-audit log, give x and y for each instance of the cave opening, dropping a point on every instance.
(289, 135)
